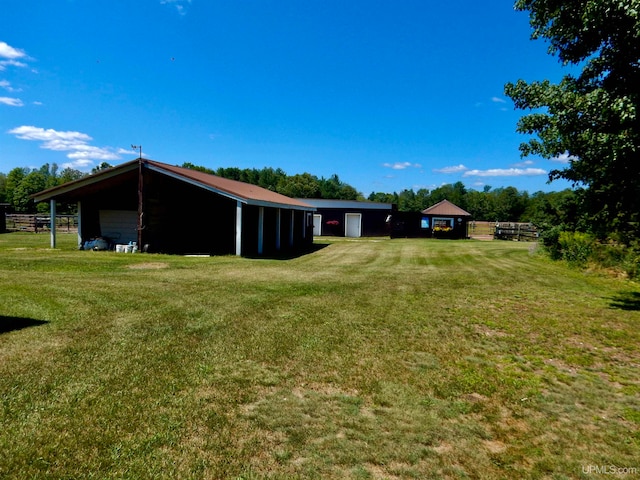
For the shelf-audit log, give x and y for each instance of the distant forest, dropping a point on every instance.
(500, 204)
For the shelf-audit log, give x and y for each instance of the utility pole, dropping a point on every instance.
(140, 196)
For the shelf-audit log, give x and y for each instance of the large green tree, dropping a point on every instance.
(33, 182)
(591, 117)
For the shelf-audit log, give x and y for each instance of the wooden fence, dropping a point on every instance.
(481, 230)
(40, 223)
(520, 232)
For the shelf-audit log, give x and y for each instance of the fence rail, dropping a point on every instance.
(481, 230)
(40, 223)
(521, 232)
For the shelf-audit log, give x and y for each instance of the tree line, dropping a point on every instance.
(301, 185)
(500, 204)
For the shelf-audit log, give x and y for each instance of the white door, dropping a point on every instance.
(353, 224)
(317, 225)
(119, 226)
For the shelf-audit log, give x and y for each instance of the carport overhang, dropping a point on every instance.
(76, 190)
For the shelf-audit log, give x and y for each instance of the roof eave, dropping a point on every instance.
(61, 190)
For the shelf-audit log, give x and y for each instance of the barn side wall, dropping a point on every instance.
(184, 219)
(374, 222)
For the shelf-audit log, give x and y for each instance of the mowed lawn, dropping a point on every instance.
(366, 359)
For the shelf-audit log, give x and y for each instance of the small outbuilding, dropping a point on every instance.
(446, 220)
(169, 209)
(350, 218)
(442, 220)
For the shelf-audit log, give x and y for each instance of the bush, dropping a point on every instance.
(580, 249)
(549, 238)
(576, 247)
(620, 257)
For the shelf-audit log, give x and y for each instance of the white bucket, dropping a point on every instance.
(120, 248)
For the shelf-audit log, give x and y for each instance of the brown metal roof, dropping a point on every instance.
(240, 190)
(244, 192)
(445, 207)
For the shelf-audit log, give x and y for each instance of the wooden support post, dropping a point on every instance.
(291, 228)
(79, 224)
(238, 228)
(260, 230)
(278, 220)
(53, 222)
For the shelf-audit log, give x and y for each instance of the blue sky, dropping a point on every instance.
(389, 94)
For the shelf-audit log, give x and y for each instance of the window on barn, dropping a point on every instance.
(442, 222)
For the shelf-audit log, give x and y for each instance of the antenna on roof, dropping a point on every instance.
(137, 147)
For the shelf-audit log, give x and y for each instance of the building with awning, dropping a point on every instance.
(169, 209)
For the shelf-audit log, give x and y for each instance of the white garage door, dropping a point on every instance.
(119, 226)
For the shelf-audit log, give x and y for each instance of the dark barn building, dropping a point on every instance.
(350, 218)
(169, 209)
(442, 220)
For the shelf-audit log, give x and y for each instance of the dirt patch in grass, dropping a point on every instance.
(148, 266)
(494, 446)
(324, 389)
(490, 332)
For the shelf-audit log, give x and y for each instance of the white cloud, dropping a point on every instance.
(505, 172)
(11, 56)
(498, 100)
(76, 143)
(88, 152)
(179, 4)
(526, 163)
(12, 102)
(53, 138)
(7, 86)
(14, 63)
(401, 165)
(78, 164)
(7, 51)
(564, 158)
(451, 169)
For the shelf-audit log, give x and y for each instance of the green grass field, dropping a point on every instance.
(367, 359)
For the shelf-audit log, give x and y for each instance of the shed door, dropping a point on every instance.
(119, 226)
(317, 225)
(353, 224)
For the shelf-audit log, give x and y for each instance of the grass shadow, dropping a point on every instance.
(11, 324)
(626, 301)
(291, 254)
